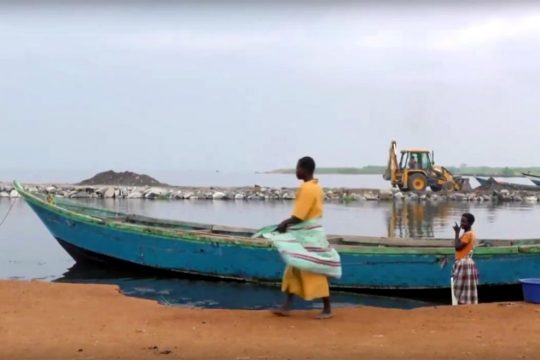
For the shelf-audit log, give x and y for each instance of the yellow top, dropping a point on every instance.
(309, 201)
(468, 238)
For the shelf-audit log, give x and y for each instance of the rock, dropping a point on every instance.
(398, 195)
(205, 195)
(288, 196)
(371, 196)
(79, 195)
(124, 192)
(458, 197)
(51, 189)
(4, 194)
(385, 195)
(239, 196)
(412, 196)
(135, 195)
(109, 193)
(153, 193)
(14, 194)
(218, 195)
(530, 198)
(178, 195)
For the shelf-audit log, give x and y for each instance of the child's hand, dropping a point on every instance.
(456, 227)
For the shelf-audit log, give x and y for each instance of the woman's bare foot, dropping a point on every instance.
(324, 315)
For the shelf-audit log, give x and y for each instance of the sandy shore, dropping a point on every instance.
(67, 321)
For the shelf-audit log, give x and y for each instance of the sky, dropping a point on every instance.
(253, 86)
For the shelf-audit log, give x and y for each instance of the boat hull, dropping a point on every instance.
(364, 267)
(534, 179)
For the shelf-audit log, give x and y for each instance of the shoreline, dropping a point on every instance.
(80, 321)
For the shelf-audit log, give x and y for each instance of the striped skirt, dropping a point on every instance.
(465, 281)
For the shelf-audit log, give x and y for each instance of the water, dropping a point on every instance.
(174, 291)
(28, 251)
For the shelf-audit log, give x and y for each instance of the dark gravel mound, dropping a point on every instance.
(126, 178)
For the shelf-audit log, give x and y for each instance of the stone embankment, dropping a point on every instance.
(265, 193)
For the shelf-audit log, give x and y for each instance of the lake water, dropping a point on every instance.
(28, 251)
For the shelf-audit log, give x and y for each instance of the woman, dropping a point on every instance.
(302, 243)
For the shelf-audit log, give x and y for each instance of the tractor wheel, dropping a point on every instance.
(417, 182)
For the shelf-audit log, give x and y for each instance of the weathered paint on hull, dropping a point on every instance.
(370, 268)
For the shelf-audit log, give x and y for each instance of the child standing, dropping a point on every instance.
(465, 272)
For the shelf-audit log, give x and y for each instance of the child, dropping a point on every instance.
(464, 272)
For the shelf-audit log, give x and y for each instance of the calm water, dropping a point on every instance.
(28, 251)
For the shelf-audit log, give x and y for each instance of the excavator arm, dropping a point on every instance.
(392, 166)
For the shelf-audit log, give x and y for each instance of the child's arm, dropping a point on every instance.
(458, 244)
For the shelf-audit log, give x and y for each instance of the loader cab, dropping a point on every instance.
(416, 168)
(415, 159)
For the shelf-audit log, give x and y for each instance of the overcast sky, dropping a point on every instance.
(243, 87)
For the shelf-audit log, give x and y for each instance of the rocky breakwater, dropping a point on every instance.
(128, 185)
(248, 193)
(192, 193)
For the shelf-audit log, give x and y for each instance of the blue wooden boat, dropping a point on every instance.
(534, 178)
(230, 253)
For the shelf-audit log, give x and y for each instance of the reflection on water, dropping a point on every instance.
(416, 219)
(177, 291)
(434, 219)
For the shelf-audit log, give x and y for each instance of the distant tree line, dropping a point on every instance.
(461, 170)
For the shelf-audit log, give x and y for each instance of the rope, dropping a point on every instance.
(9, 210)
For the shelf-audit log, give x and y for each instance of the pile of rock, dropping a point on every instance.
(126, 178)
(264, 193)
(503, 195)
(7, 191)
(196, 193)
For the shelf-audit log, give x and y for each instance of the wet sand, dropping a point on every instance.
(70, 321)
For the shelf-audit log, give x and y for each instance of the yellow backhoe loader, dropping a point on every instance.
(416, 171)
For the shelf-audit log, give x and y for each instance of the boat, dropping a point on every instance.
(96, 235)
(485, 180)
(534, 178)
